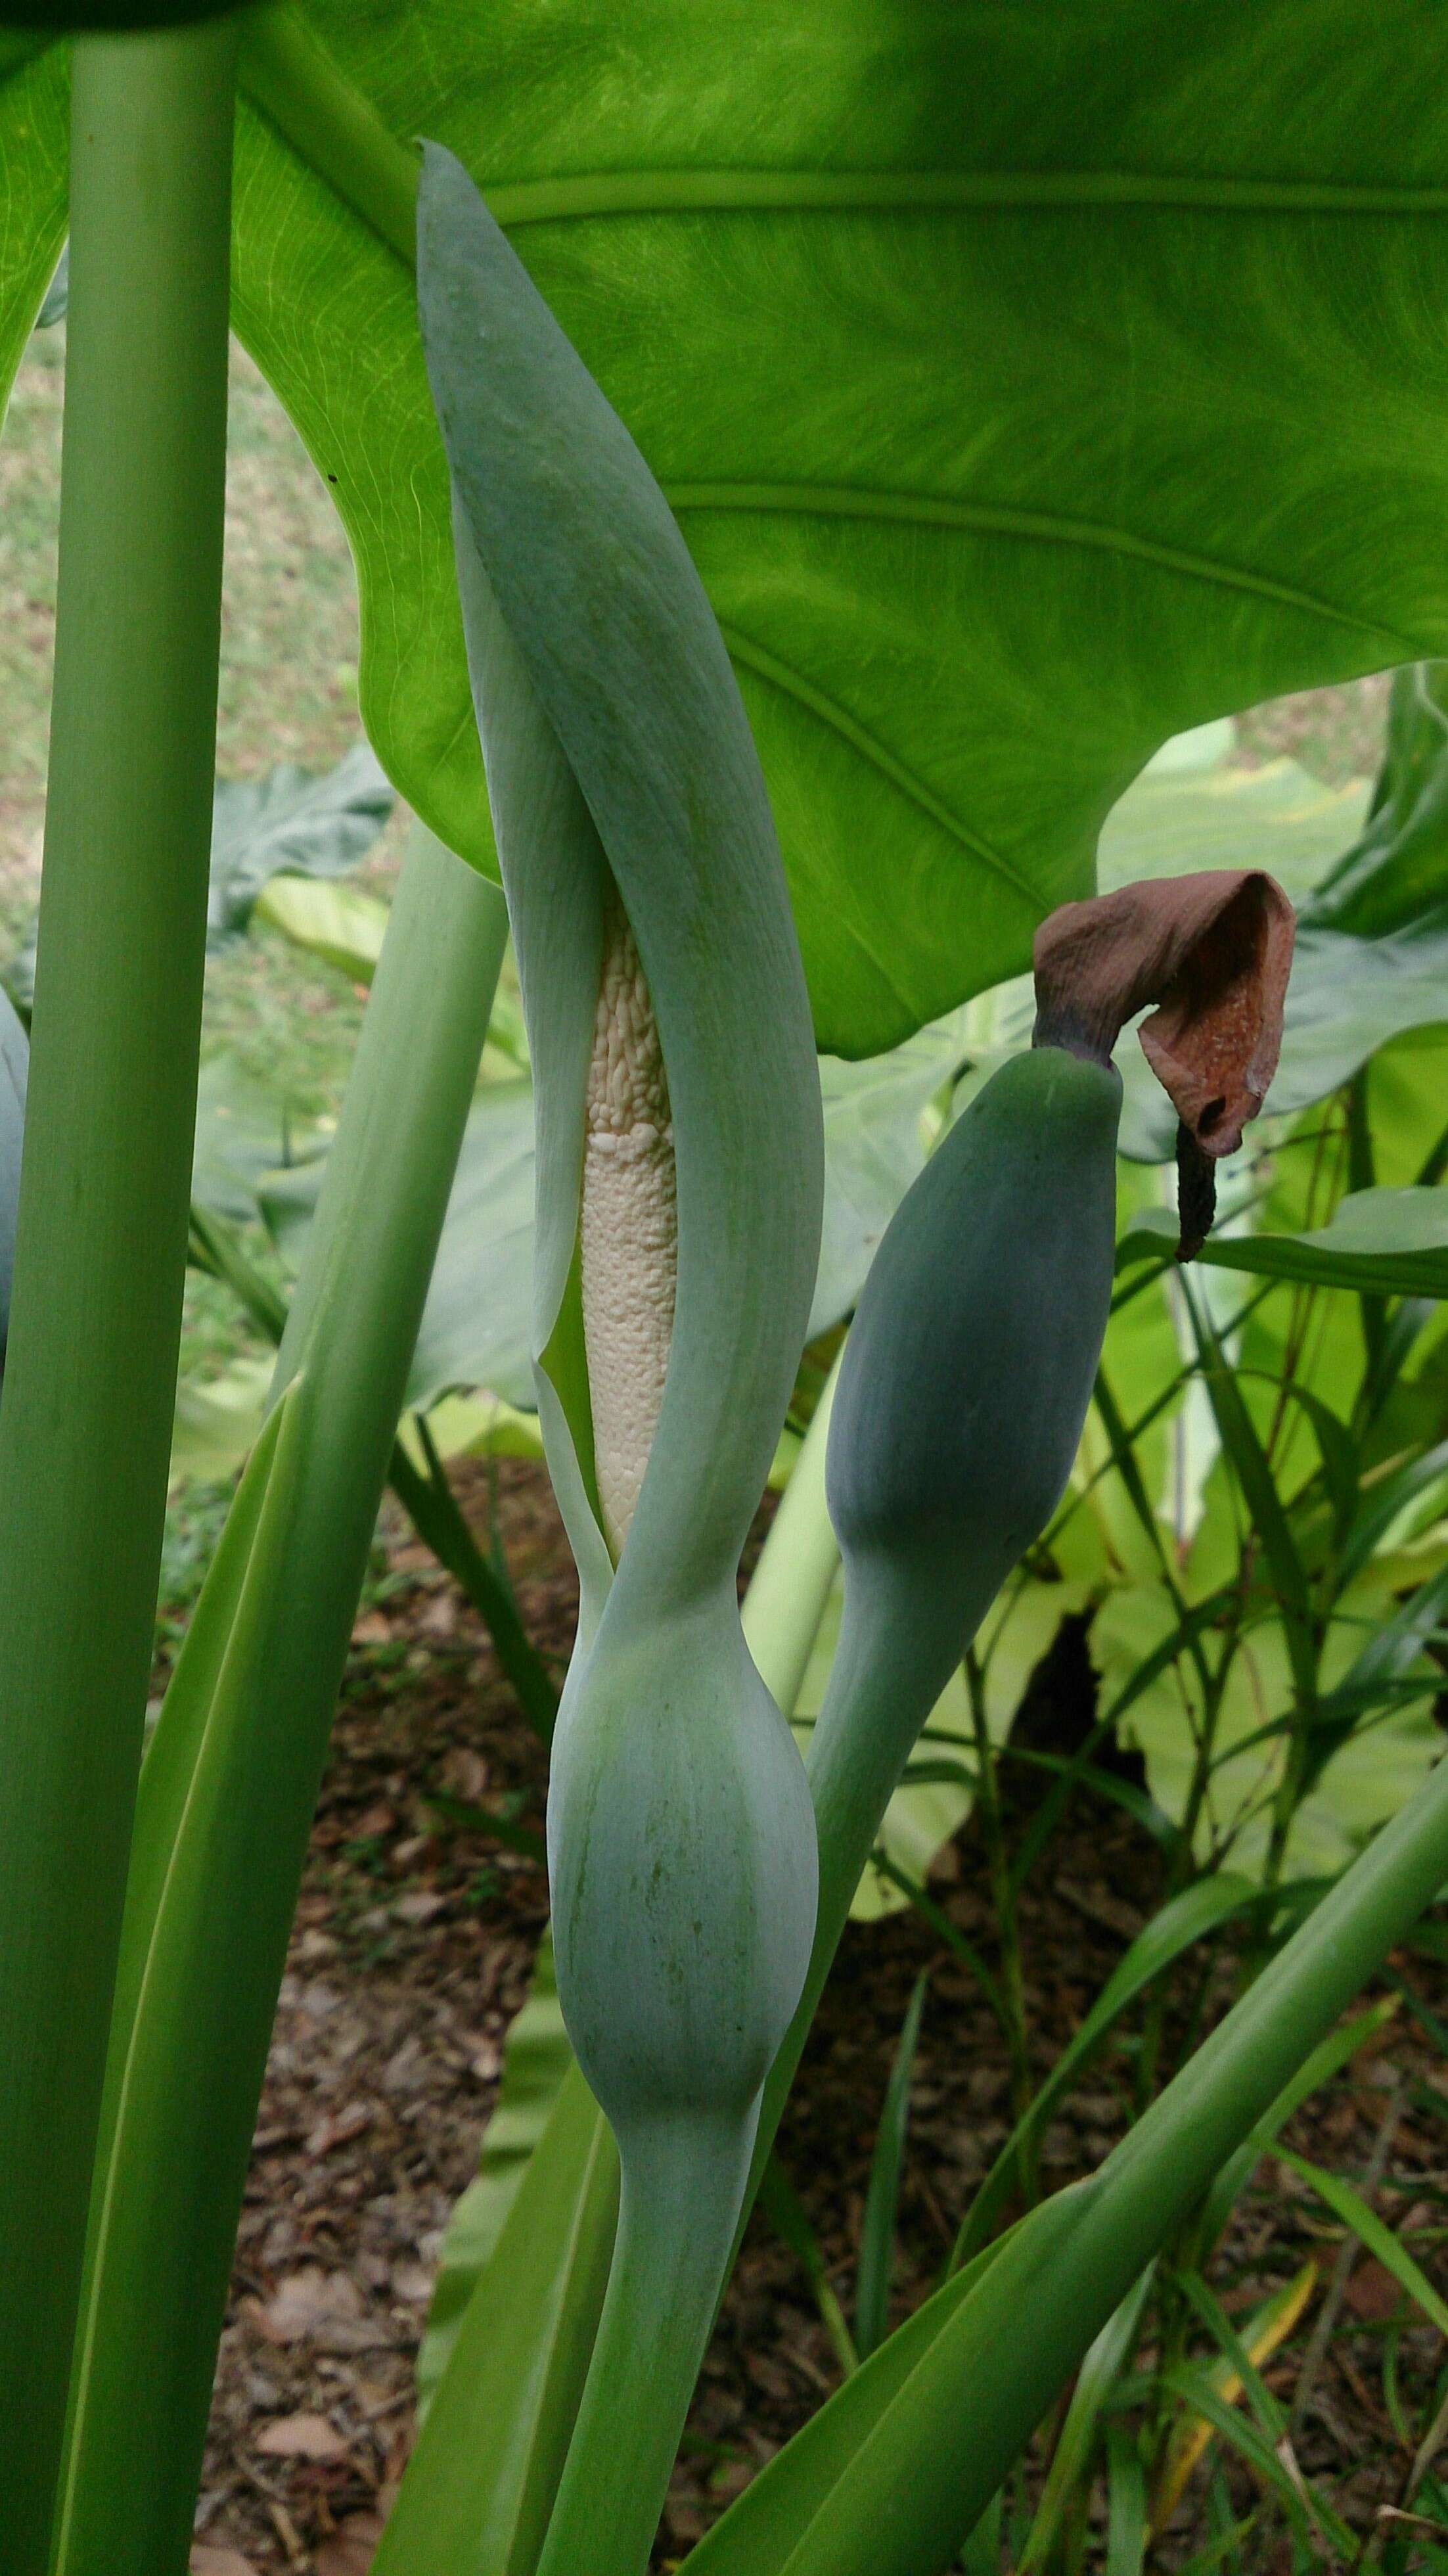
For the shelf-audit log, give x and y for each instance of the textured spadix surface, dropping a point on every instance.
(628, 1236)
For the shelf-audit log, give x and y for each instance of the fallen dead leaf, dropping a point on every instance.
(305, 2300)
(351, 2549)
(465, 1773)
(339, 2127)
(421, 1908)
(372, 1629)
(219, 2562)
(301, 2437)
(1372, 2293)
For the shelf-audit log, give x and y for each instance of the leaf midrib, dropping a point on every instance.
(772, 190)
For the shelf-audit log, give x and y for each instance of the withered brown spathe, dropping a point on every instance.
(1214, 952)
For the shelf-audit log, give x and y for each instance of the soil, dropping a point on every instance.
(412, 1951)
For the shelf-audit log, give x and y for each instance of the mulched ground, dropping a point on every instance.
(410, 1955)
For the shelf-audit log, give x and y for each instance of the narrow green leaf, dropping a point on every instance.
(895, 2470)
(981, 2555)
(1108, 2357)
(1382, 1504)
(90, 1369)
(1269, 1520)
(480, 2484)
(1353, 2210)
(462, 1813)
(1391, 1659)
(228, 1788)
(1186, 1918)
(1194, 2387)
(536, 2059)
(757, 2534)
(1382, 1242)
(1126, 2523)
(430, 1502)
(787, 2214)
(1204, 2562)
(882, 2196)
(1326, 2060)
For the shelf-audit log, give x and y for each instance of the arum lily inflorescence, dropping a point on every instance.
(680, 1175)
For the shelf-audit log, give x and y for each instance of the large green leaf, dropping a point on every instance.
(475, 1325)
(1008, 442)
(34, 115)
(1211, 814)
(874, 1146)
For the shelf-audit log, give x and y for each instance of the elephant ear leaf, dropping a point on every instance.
(34, 161)
(1007, 444)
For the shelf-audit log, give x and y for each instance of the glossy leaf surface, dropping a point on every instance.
(1007, 443)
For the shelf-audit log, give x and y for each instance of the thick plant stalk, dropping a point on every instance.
(90, 1378)
(230, 1782)
(790, 1586)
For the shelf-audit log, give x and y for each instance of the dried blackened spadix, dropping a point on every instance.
(1214, 952)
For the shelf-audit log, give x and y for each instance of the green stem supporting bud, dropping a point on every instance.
(962, 1391)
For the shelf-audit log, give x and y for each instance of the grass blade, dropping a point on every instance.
(536, 2059)
(894, 2470)
(1126, 2522)
(1353, 2210)
(1108, 2357)
(882, 2197)
(1185, 1919)
(1329, 2056)
(790, 2219)
(1236, 2373)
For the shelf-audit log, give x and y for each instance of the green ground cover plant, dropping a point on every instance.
(786, 519)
